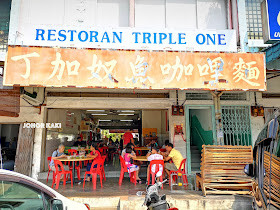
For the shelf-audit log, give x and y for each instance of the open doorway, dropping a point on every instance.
(200, 130)
(9, 138)
(99, 126)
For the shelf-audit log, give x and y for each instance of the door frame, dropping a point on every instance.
(188, 129)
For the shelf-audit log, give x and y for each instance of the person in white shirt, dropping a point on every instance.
(154, 155)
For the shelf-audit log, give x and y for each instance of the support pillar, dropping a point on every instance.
(218, 117)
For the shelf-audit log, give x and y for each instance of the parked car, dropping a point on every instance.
(267, 141)
(20, 192)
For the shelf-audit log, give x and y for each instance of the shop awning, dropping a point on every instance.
(272, 56)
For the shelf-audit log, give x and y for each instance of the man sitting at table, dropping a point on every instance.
(79, 142)
(152, 144)
(58, 154)
(175, 156)
(95, 154)
(153, 155)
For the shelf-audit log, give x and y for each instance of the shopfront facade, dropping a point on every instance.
(108, 60)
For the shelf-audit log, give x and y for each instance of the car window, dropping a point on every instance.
(16, 196)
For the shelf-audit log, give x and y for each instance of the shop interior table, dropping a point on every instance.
(142, 148)
(74, 160)
(141, 158)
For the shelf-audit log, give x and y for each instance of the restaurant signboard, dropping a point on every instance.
(58, 67)
(125, 38)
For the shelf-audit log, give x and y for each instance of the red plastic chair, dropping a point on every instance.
(114, 153)
(77, 167)
(50, 170)
(162, 150)
(58, 164)
(94, 172)
(104, 151)
(123, 170)
(182, 170)
(72, 152)
(157, 164)
(102, 167)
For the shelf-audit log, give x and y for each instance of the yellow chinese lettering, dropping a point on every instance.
(27, 62)
(59, 65)
(166, 69)
(246, 72)
(139, 70)
(107, 67)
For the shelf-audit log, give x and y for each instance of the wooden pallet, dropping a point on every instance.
(222, 170)
(275, 178)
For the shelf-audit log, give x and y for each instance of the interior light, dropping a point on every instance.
(99, 114)
(127, 114)
(126, 120)
(127, 111)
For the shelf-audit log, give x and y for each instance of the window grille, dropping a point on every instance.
(234, 96)
(199, 96)
(236, 125)
(254, 19)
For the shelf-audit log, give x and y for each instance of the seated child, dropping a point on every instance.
(128, 158)
(153, 155)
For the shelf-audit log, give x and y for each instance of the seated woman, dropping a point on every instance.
(128, 158)
(152, 144)
(96, 155)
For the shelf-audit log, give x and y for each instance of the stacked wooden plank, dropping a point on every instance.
(275, 178)
(222, 170)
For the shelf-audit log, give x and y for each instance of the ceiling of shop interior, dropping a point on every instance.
(116, 118)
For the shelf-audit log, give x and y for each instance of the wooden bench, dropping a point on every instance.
(222, 170)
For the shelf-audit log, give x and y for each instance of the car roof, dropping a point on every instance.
(30, 181)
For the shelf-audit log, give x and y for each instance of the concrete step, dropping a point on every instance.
(191, 200)
(195, 170)
(195, 160)
(195, 164)
(196, 156)
(195, 152)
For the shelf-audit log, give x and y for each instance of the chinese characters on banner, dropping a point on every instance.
(134, 69)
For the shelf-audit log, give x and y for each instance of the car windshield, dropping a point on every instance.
(15, 190)
(17, 196)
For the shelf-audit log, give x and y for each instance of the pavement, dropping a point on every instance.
(112, 196)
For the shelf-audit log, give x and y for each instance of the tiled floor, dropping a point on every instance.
(111, 188)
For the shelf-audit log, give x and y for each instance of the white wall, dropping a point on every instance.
(152, 119)
(212, 14)
(113, 13)
(191, 14)
(185, 14)
(273, 85)
(204, 116)
(59, 116)
(84, 13)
